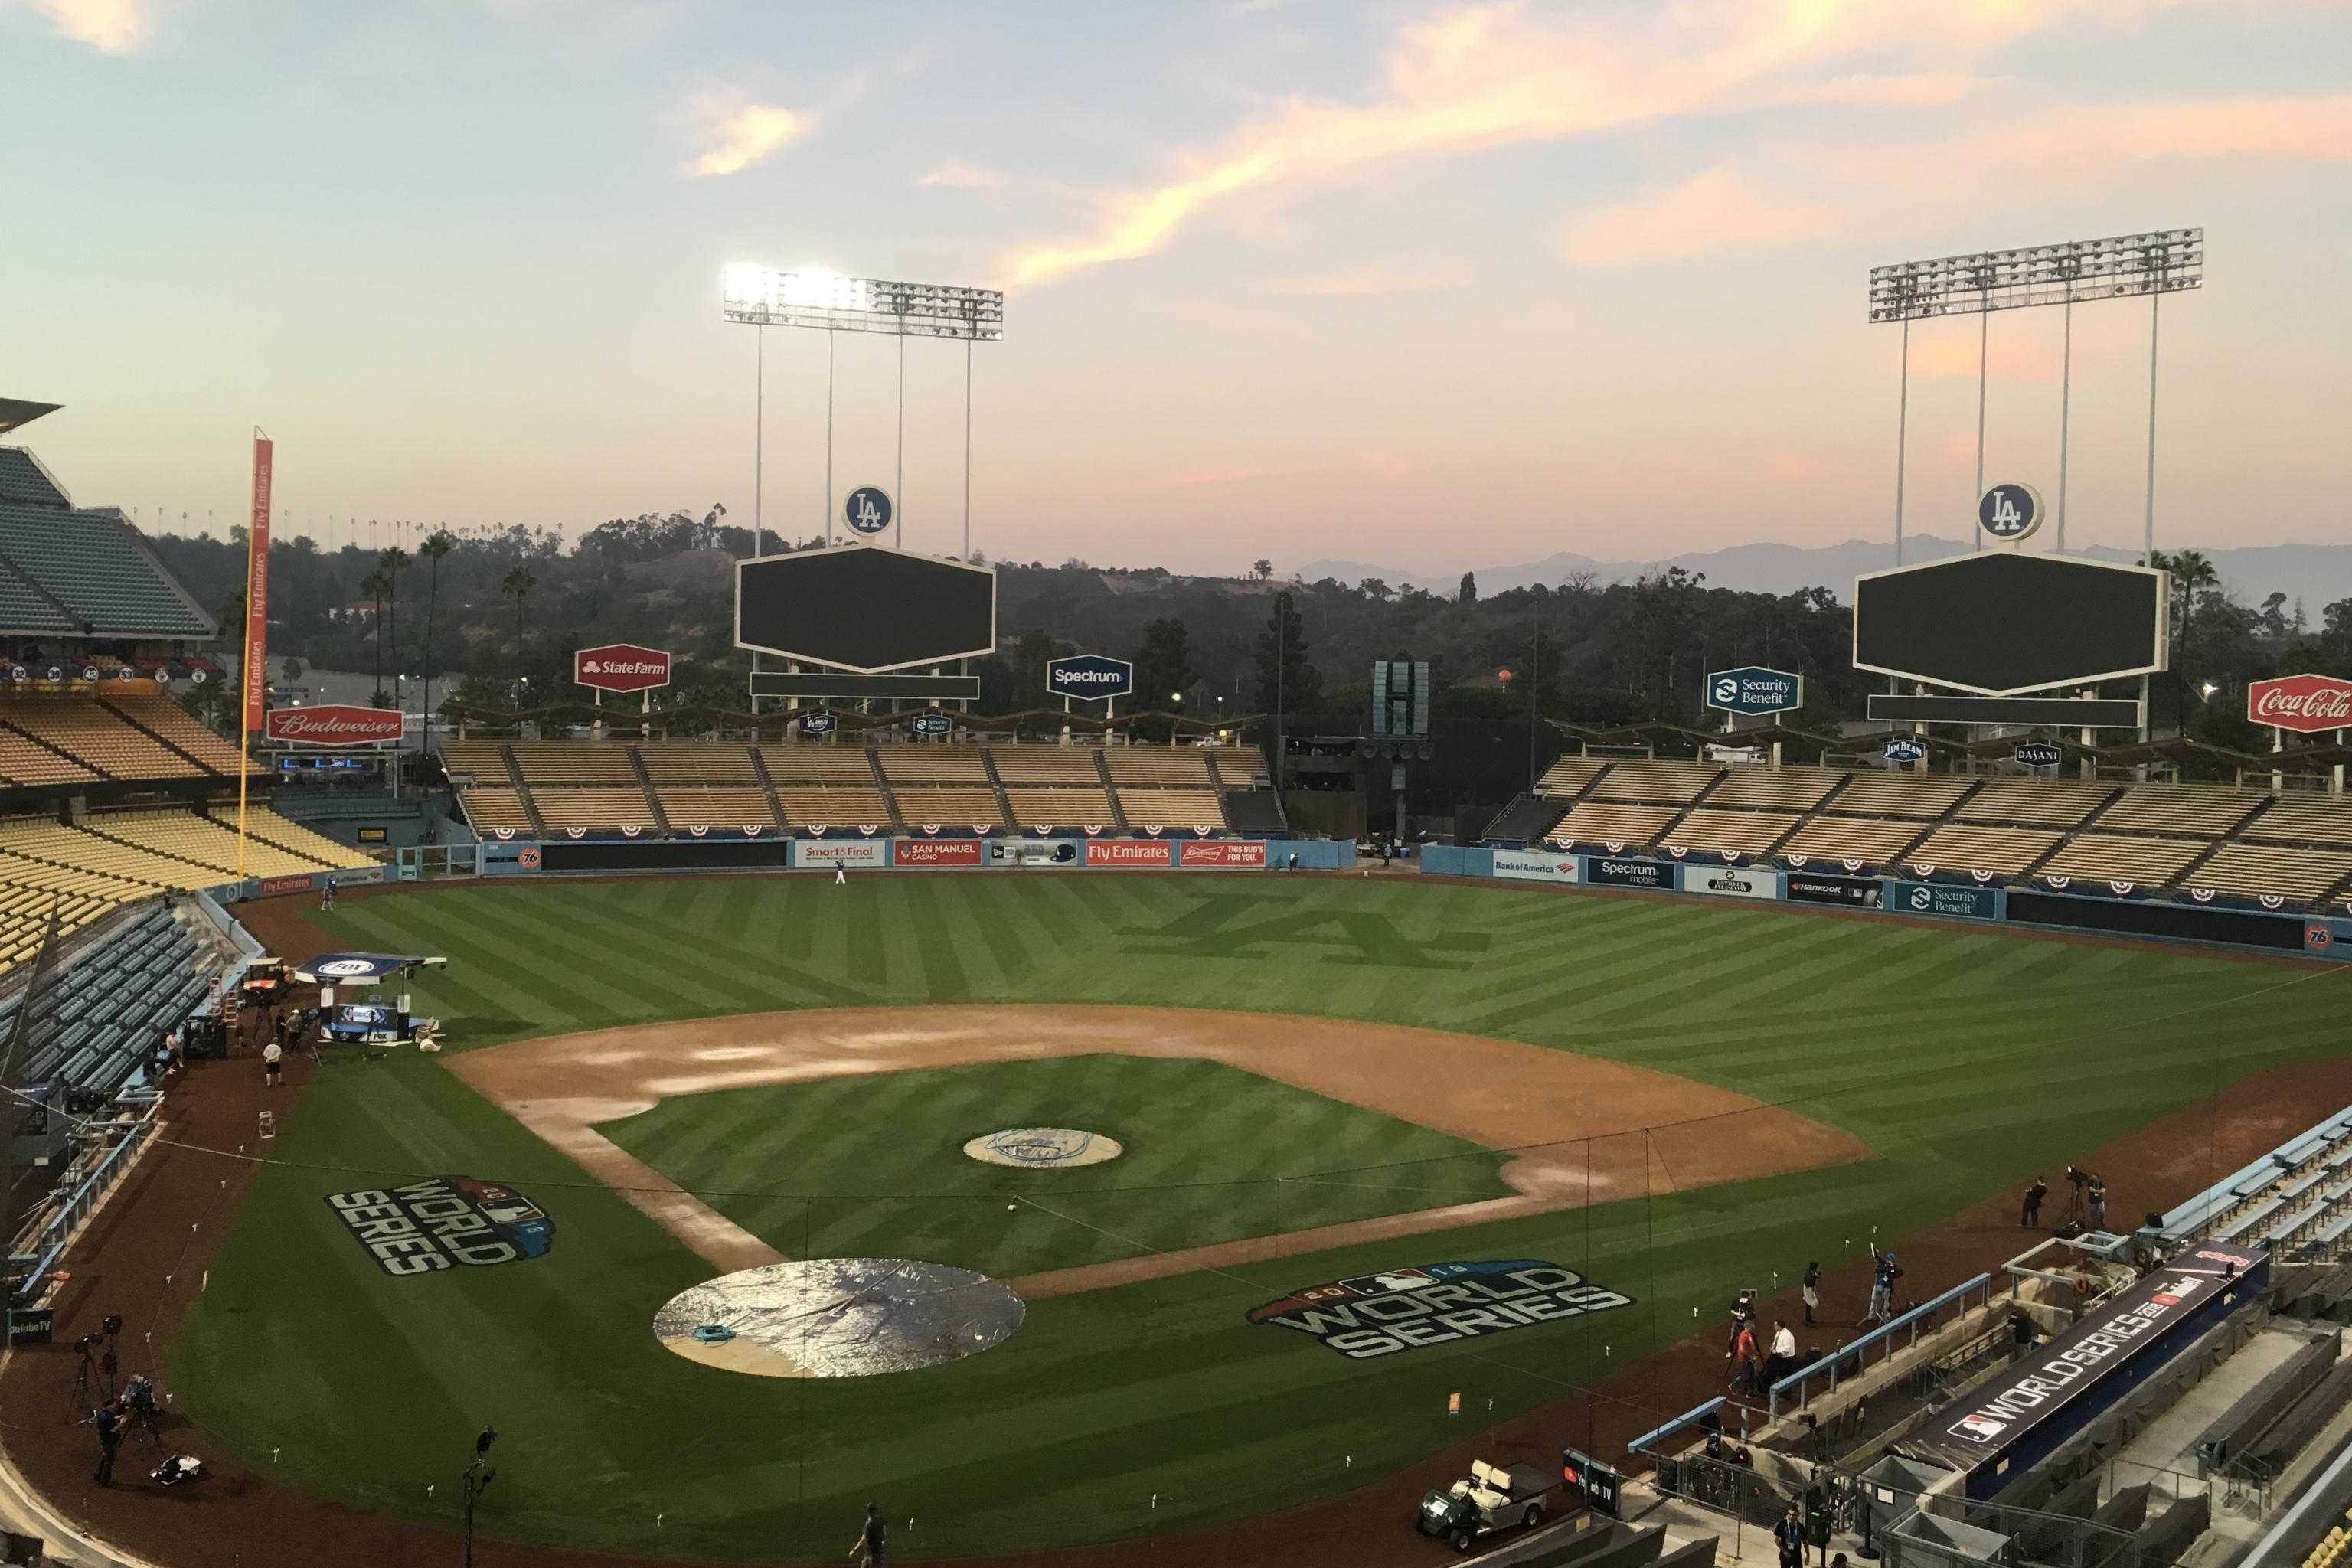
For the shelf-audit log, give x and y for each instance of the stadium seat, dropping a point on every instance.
(1875, 793)
(1775, 789)
(1970, 846)
(2297, 818)
(840, 806)
(1159, 767)
(2253, 871)
(2151, 862)
(1654, 783)
(1041, 766)
(1872, 840)
(1172, 808)
(2033, 803)
(933, 765)
(2186, 811)
(1596, 821)
(1570, 774)
(817, 761)
(1053, 807)
(1237, 767)
(1747, 832)
(592, 806)
(728, 806)
(697, 762)
(949, 805)
(571, 762)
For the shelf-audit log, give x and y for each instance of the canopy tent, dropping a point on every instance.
(360, 968)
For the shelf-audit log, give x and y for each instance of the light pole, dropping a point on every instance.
(475, 1481)
(1178, 698)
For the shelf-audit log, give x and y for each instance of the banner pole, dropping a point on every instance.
(252, 671)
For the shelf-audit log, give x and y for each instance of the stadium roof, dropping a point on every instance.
(78, 572)
(16, 411)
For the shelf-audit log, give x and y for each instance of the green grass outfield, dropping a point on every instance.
(1971, 1057)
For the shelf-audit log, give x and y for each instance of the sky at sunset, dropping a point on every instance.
(1435, 285)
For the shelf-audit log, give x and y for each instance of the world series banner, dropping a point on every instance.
(255, 669)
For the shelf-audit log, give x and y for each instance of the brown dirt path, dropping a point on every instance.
(1558, 1110)
(180, 1202)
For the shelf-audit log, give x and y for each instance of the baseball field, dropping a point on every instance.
(1640, 1104)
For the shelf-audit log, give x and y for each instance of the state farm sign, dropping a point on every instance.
(2305, 703)
(621, 667)
(332, 725)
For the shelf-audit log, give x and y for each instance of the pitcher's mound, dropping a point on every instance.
(1032, 1147)
(839, 1317)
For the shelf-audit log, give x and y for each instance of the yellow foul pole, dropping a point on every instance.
(253, 662)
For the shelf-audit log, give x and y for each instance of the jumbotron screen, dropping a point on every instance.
(865, 607)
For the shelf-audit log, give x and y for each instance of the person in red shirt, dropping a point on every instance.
(1744, 1361)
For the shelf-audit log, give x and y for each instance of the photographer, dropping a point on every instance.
(109, 1421)
(2098, 1196)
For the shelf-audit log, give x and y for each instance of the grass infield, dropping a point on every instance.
(1969, 1057)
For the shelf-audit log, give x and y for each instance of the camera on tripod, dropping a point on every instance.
(2078, 1176)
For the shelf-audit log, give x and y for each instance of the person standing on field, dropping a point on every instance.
(272, 1058)
(874, 1540)
(2029, 1214)
(1812, 1290)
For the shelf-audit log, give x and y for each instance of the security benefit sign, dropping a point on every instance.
(1435, 1304)
(444, 1222)
(1752, 688)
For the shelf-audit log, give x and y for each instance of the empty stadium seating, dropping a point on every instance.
(2295, 819)
(932, 765)
(484, 761)
(588, 807)
(207, 843)
(1021, 765)
(1036, 806)
(1972, 847)
(150, 709)
(817, 762)
(94, 736)
(495, 809)
(1570, 774)
(1599, 821)
(1172, 808)
(2184, 810)
(949, 805)
(2036, 803)
(697, 762)
(1237, 767)
(1656, 783)
(2259, 870)
(1775, 789)
(1159, 767)
(117, 996)
(716, 806)
(1750, 832)
(839, 806)
(571, 762)
(2147, 862)
(1873, 841)
(1871, 793)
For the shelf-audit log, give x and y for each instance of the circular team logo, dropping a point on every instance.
(1034, 1147)
(868, 510)
(347, 966)
(2010, 511)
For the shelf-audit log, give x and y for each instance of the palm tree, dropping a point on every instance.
(2192, 574)
(519, 582)
(392, 559)
(437, 545)
(373, 585)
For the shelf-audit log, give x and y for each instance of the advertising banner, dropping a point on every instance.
(841, 852)
(1857, 892)
(1535, 865)
(271, 886)
(1752, 689)
(1220, 852)
(621, 667)
(255, 670)
(1942, 899)
(1134, 852)
(1089, 677)
(333, 724)
(1610, 871)
(2308, 704)
(1032, 852)
(1730, 881)
(937, 852)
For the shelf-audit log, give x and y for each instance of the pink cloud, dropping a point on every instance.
(1482, 77)
(1792, 469)
(1707, 211)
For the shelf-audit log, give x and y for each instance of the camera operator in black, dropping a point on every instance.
(109, 1420)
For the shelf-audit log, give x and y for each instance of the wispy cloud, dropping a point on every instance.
(1706, 213)
(1395, 277)
(1493, 75)
(111, 26)
(963, 176)
(742, 133)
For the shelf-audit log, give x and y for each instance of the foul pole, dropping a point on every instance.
(253, 670)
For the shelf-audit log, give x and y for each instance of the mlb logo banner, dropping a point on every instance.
(443, 1223)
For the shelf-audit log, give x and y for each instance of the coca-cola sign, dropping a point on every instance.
(621, 667)
(332, 725)
(2305, 703)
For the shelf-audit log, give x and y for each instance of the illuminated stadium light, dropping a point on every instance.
(767, 297)
(2076, 272)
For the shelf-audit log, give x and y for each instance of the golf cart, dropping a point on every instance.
(263, 984)
(1492, 1497)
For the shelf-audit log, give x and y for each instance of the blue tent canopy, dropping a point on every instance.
(359, 968)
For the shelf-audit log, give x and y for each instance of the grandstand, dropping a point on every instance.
(120, 994)
(510, 788)
(2202, 841)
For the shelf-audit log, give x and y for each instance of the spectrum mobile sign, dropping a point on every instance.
(1090, 676)
(1428, 1304)
(621, 667)
(332, 725)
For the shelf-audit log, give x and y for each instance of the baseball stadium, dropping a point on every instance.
(1038, 1134)
(722, 1047)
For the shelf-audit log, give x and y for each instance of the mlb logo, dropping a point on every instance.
(2164, 1298)
(1393, 1280)
(1980, 1428)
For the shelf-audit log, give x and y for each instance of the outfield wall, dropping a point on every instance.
(2320, 936)
(882, 852)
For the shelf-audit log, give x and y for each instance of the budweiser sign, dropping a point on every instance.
(2305, 703)
(332, 725)
(621, 667)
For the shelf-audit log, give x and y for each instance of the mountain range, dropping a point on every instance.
(2316, 575)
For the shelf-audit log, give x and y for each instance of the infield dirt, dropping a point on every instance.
(1575, 1124)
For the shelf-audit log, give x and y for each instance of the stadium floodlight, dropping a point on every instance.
(2076, 272)
(767, 297)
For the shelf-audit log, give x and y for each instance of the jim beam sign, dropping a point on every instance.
(332, 725)
(1425, 1304)
(2308, 704)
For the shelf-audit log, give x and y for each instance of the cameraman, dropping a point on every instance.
(109, 1420)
